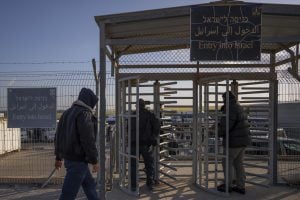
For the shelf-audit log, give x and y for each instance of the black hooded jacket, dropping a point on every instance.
(239, 133)
(148, 126)
(76, 131)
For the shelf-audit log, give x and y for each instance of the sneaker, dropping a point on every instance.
(239, 190)
(222, 188)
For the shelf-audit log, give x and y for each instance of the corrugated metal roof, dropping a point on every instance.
(169, 28)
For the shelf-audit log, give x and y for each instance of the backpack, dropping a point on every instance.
(149, 127)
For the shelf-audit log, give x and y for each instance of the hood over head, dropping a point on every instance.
(87, 96)
(230, 94)
(142, 103)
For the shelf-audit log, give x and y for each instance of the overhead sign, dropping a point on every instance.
(31, 107)
(225, 33)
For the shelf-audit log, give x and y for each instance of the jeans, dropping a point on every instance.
(78, 174)
(147, 154)
(235, 162)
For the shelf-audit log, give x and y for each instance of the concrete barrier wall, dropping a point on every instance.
(10, 138)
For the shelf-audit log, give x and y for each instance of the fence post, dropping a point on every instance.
(273, 117)
(102, 110)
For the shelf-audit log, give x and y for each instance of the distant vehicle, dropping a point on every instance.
(211, 145)
(24, 135)
(48, 134)
(111, 120)
(281, 133)
(259, 122)
(285, 146)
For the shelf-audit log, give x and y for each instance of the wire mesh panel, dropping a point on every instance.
(27, 154)
(288, 132)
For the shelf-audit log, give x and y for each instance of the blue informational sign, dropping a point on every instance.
(31, 107)
(225, 33)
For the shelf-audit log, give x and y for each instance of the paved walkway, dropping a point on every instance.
(184, 191)
(11, 165)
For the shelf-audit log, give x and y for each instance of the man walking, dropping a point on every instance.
(75, 144)
(148, 133)
(238, 140)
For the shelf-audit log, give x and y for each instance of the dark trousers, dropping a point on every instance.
(78, 174)
(147, 154)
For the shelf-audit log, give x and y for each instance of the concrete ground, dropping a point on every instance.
(35, 165)
(184, 190)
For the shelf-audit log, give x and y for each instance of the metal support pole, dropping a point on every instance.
(273, 126)
(234, 87)
(137, 135)
(102, 110)
(97, 114)
(200, 138)
(122, 129)
(129, 141)
(157, 111)
(195, 130)
(227, 138)
(216, 97)
(206, 110)
(117, 137)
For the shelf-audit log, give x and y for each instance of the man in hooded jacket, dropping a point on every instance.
(75, 144)
(148, 133)
(239, 139)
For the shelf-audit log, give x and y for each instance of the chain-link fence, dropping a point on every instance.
(27, 154)
(288, 134)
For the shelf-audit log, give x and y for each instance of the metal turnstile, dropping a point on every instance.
(210, 152)
(257, 98)
(128, 157)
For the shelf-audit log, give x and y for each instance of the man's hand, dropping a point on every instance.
(58, 164)
(96, 168)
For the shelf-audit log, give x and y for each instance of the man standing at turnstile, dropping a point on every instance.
(148, 133)
(239, 138)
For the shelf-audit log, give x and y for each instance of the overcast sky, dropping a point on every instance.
(35, 31)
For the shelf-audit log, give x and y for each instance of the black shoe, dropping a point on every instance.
(133, 188)
(156, 182)
(233, 182)
(239, 190)
(150, 185)
(222, 188)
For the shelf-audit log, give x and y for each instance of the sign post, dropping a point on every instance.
(31, 107)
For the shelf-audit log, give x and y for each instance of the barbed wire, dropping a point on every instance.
(45, 62)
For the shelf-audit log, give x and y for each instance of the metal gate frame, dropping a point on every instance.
(197, 167)
(202, 129)
(159, 164)
(124, 126)
(202, 176)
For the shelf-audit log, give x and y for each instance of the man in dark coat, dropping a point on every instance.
(148, 133)
(75, 144)
(239, 138)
